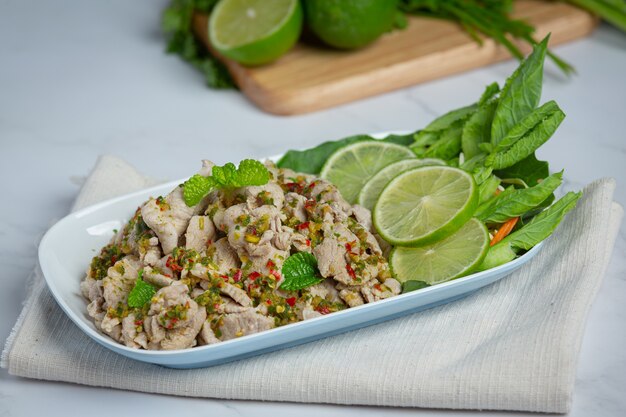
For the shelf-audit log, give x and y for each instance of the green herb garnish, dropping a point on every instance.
(141, 294)
(300, 271)
(250, 172)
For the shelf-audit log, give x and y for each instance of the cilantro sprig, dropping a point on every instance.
(142, 292)
(250, 172)
(300, 271)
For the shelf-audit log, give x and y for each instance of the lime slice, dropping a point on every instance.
(424, 205)
(255, 32)
(452, 257)
(350, 167)
(372, 189)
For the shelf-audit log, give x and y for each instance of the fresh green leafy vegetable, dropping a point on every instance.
(515, 202)
(527, 142)
(489, 17)
(300, 271)
(530, 170)
(521, 93)
(477, 130)
(413, 285)
(141, 294)
(177, 24)
(310, 161)
(250, 172)
(537, 229)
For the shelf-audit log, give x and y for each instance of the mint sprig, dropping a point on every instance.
(250, 172)
(300, 271)
(141, 294)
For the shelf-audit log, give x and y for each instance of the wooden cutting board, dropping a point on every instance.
(312, 77)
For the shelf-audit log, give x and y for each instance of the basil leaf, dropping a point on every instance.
(486, 190)
(448, 146)
(413, 285)
(537, 229)
(477, 130)
(528, 143)
(521, 93)
(300, 271)
(527, 124)
(517, 202)
(490, 92)
(529, 170)
(448, 119)
(311, 160)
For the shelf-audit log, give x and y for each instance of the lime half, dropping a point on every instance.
(423, 205)
(255, 32)
(350, 167)
(452, 257)
(372, 189)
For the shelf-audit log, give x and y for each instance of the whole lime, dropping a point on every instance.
(349, 24)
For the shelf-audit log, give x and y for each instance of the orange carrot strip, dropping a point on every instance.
(504, 230)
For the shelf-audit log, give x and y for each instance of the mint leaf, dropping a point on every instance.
(196, 187)
(250, 172)
(141, 294)
(300, 271)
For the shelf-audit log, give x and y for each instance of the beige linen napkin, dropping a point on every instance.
(510, 346)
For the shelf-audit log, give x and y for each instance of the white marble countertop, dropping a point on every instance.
(82, 78)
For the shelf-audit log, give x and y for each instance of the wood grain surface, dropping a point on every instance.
(312, 77)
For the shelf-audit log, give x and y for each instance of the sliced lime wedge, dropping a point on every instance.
(350, 167)
(255, 32)
(424, 205)
(372, 189)
(452, 257)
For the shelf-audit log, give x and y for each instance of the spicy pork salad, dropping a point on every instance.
(218, 264)
(237, 250)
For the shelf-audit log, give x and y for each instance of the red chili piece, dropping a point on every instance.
(291, 301)
(237, 275)
(350, 271)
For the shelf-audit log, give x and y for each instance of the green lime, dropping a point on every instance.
(349, 24)
(350, 167)
(452, 257)
(372, 189)
(255, 32)
(424, 205)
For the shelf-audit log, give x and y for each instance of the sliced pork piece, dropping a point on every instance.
(156, 278)
(351, 296)
(375, 291)
(120, 280)
(168, 217)
(241, 324)
(331, 262)
(268, 194)
(174, 319)
(225, 257)
(206, 335)
(362, 215)
(294, 206)
(200, 232)
(237, 294)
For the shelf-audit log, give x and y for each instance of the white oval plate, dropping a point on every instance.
(67, 248)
